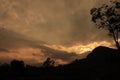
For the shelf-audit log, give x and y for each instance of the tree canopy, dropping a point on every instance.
(107, 16)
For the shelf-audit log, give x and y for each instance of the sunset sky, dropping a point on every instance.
(32, 30)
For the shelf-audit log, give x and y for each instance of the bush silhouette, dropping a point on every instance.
(48, 62)
(17, 65)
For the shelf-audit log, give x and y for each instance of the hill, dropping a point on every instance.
(102, 63)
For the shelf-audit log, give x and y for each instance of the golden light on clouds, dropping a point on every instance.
(35, 55)
(36, 29)
(29, 55)
(79, 49)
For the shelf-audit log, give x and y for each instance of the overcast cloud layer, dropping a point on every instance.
(62, 22)
(31, 23)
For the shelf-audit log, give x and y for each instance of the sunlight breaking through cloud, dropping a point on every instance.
(79, 49)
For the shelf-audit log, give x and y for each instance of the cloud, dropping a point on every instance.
(62, 22)
(4, 50)
(57, 54)
(12, 39)
(30, 24)
(16, 46)
(35, 55)
(63, 57)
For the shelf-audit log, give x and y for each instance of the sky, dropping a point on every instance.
(32, 30)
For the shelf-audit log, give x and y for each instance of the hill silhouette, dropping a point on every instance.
(102, 63)
(102, 52)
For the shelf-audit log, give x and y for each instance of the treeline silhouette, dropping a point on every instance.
(101, 64)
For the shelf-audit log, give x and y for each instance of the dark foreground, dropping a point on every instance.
(101, 64)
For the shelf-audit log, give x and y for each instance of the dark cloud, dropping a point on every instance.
(32, 23)
(12, 39)
(62, 22)
(4, 50)
(62, 55)
(57, 54)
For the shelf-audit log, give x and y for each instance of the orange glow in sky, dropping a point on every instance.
(79, 49)
(32, 30)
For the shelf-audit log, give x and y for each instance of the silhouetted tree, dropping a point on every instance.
(108, 17)
(48, 62)
(4, 66)
(17, 65)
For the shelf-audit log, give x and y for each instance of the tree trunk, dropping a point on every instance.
(117, 45)
(115, 36)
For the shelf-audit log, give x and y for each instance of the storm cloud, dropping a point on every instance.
(17, 46)
(62, 22)
(4, 50)
(27, 25)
